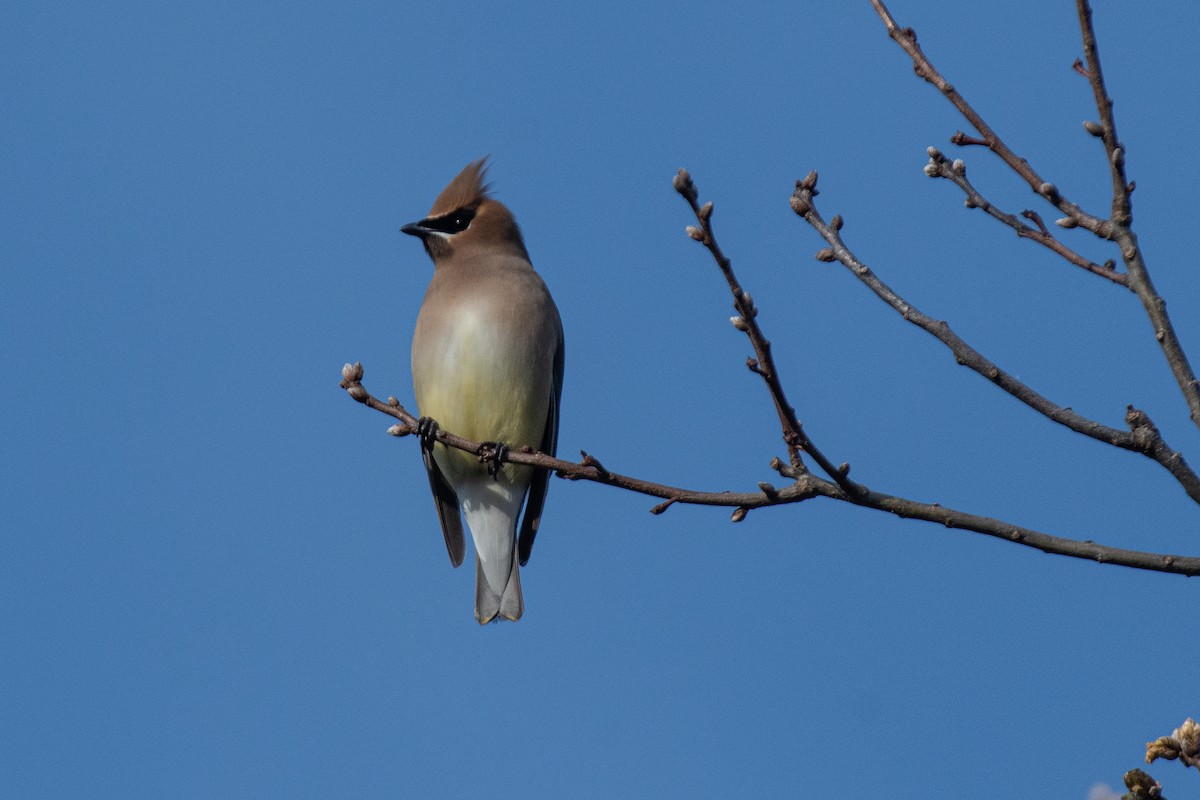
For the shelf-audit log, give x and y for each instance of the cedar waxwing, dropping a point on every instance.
(487, 364)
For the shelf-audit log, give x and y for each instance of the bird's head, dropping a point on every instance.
(465, 216)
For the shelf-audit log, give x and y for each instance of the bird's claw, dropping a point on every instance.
(494, 454)
(427, 429)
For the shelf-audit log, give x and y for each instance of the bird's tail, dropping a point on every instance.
(507, 604)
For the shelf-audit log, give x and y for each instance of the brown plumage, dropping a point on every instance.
(487, 363)
(467, 189)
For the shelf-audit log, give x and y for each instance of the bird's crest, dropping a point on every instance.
(467, 189)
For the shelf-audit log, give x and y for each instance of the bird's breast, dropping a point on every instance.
(482, 366)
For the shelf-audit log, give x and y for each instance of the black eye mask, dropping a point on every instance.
(454, 222)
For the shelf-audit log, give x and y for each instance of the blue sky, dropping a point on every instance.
(220, 578)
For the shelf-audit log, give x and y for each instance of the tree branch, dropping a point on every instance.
(1142, 437)
(805, 486)
(1122, 219)
(907, 39)
(588, 468)
(1122, 210)
(763, 363)
(1117, 228)
(956, 172)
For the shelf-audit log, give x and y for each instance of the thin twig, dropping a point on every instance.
(1143, 437)
(763, 363)
(1122, 219)
(956, 172)
(907, 39)
(1122, 213)
(806, 486)
(1117, 228)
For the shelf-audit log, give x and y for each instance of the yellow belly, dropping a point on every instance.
(481, 384)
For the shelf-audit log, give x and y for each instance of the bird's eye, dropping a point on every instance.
(455, 222)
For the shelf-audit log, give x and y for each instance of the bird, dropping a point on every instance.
(487, 364)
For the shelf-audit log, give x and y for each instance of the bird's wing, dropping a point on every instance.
(447, 506)
(541, 478)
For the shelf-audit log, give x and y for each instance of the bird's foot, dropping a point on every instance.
(494, 454)
(427, 429)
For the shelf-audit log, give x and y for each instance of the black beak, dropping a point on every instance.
(415, 229)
